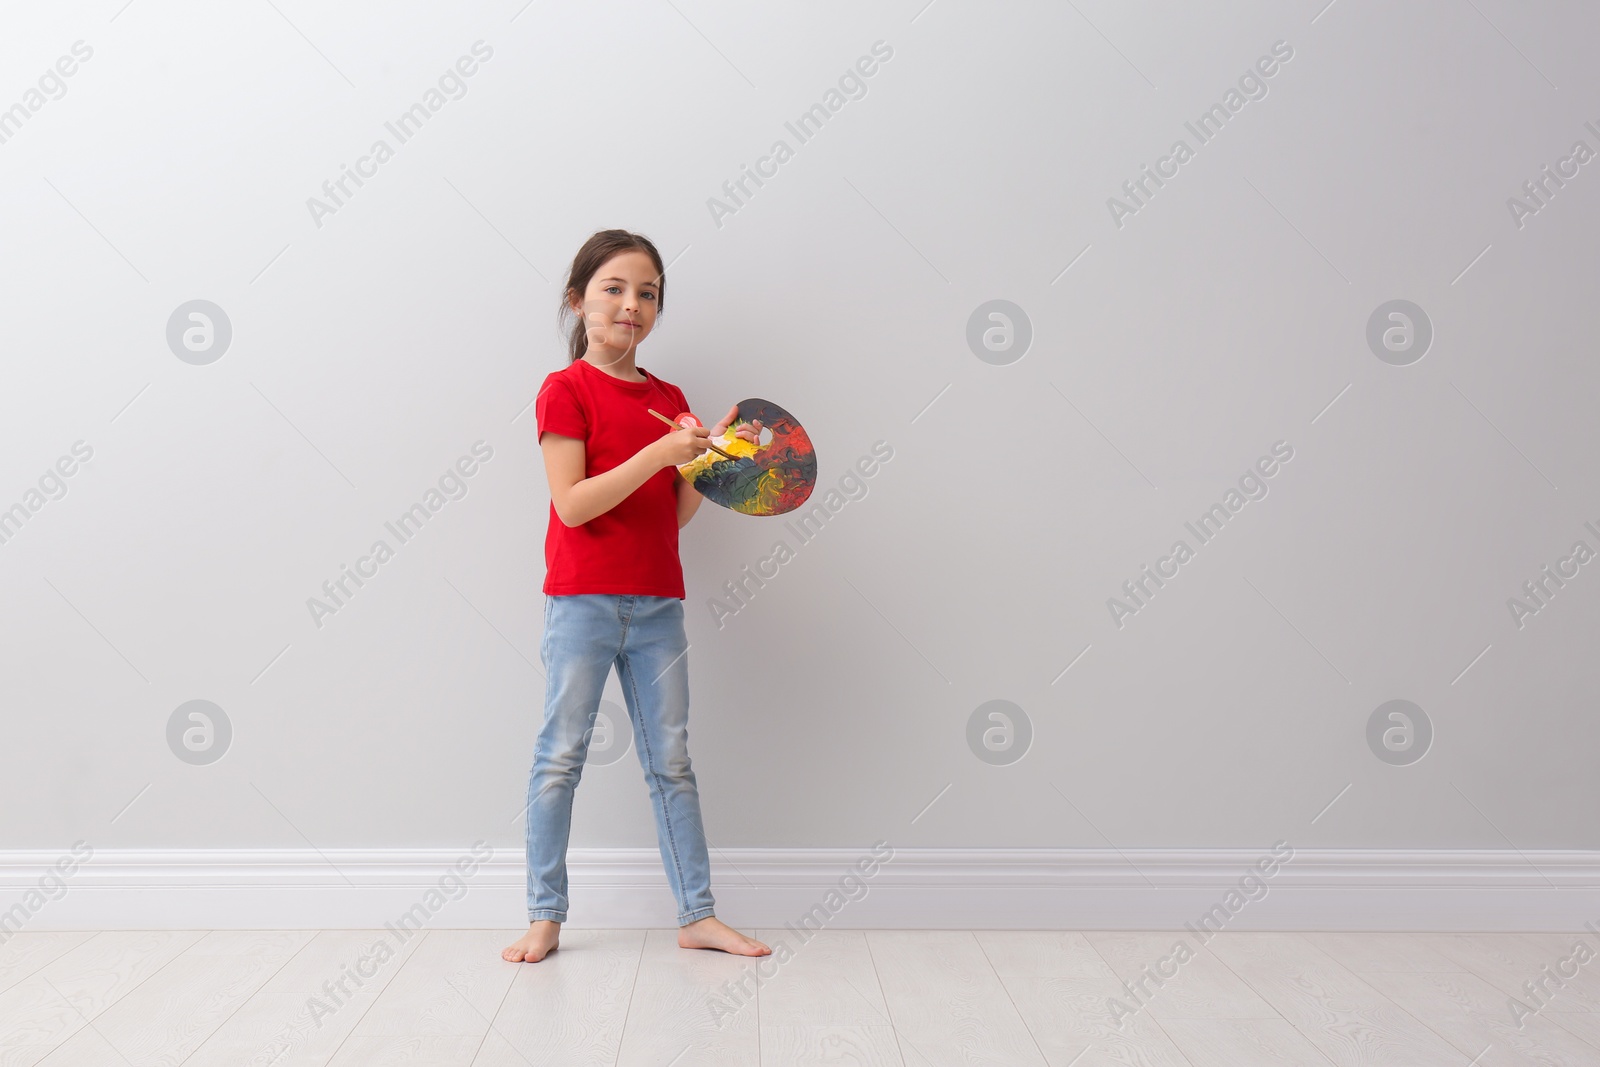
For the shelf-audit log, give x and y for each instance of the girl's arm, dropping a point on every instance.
(578, 499)
(688, 499)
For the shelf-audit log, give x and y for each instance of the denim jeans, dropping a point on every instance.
(584, 636)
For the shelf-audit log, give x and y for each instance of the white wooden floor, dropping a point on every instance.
(912, 998)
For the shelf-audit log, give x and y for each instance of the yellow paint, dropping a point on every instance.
(729, 442)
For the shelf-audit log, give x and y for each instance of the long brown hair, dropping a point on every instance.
(591, 257)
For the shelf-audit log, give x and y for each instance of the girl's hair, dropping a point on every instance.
(591, 257)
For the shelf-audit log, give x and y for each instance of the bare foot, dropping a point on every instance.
(538, 942)
(712, 932)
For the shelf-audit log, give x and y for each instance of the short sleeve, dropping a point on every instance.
(558, 410)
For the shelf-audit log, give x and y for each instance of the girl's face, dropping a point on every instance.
(619, 307)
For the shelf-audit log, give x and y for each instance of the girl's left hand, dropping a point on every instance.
(750, 431)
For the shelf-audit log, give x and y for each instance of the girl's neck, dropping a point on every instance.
(618, 366)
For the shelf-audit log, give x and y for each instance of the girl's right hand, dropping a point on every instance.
(676, 449)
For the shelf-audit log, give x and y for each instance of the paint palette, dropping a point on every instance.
(768, 479)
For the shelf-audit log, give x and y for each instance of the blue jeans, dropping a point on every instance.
(584, 635)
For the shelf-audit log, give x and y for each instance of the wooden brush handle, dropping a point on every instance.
(675, 426)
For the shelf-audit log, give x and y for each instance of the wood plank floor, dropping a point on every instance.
(631, 998)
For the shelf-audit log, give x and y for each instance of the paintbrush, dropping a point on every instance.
(675, 426)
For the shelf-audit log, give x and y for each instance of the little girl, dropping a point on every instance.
(614, 586)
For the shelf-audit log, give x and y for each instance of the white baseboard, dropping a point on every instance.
(917, 888)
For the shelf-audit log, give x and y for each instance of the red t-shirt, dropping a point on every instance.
(633, 548)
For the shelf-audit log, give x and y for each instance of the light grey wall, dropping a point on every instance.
(1171, 348)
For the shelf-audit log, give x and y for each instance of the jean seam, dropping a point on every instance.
(666, 801)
